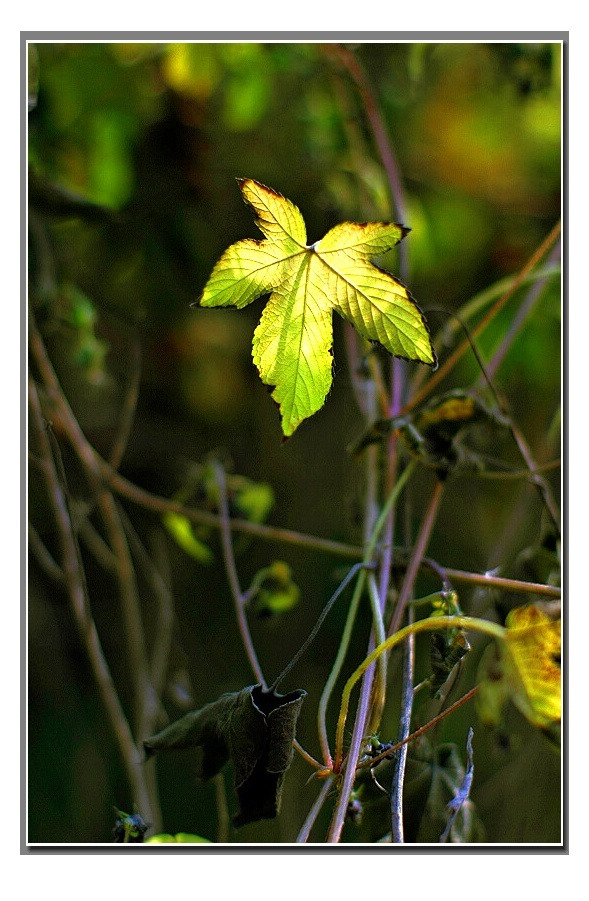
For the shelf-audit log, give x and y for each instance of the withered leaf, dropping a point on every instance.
(252, 728)
(433, 433)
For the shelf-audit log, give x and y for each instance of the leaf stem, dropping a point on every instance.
(311, 637)
(396, 794)
(363, 708)
(232, 577)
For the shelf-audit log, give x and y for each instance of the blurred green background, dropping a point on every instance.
(133, 152)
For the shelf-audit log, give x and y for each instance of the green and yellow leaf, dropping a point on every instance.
(293, 341)
(533, 643)
(181, 530)
(524, 668)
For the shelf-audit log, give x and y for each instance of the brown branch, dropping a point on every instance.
(80, 604)
(127, 414)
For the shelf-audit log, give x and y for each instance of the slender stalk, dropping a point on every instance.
(127, 414)
(486, 580)
(336, 668)
(376, 122)
(379, 685)
(368, 556)
(358, 737)
(144, 698)
(417, 555)
(233, 578)
(536, 477)
(313, 634)
(42, 555)
(363, 708)
(520, 317)
(475, 305)
(397, 830)
(160, 653)
(303, 835)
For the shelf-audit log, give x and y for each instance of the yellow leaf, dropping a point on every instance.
(180, 528)
(292, 346)
(532, 663)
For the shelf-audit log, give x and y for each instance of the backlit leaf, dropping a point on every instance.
(254, 729)
(181, 530)
(533, 663)
(273, 590)
(293, 341)
(524, 668)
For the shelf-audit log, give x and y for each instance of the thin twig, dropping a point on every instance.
(303, 835)
(396, 794)
(486, 580)
(536, 477)
(97, 546)
(127, 414)
(347, 58)
(233, 578)
(160, 653)
(144, 698)
(416, 559)
(336, 668)
(43, 557)
(520, 317)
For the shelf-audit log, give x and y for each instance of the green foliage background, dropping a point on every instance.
(155, 135)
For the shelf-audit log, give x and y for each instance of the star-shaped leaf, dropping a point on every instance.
(293, 341)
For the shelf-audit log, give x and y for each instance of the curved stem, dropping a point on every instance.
(313, 634)
(336, 668)
(233, 578)
(368, 555)
(432, 624)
